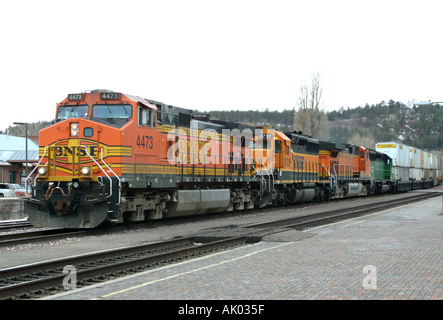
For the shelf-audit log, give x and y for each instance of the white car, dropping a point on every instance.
(19, 190)
(7, 190)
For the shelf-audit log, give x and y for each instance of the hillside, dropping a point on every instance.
(419, 126)
(20, 130)
(283, 120)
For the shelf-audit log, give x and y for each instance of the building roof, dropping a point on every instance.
(3, 163)
(12, 143)
(14, 149)
(19, 155)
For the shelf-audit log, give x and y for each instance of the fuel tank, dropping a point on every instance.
(352, 189)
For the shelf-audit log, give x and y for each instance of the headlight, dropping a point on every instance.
(74, 129)
(42, 171)
(86, 171)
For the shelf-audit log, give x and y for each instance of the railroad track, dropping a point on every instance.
(13, 239)
(6, 225)
(37, 236)
(26, 282)
(40, 279)
(316, 219)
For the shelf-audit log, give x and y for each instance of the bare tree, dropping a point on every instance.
(310, 117)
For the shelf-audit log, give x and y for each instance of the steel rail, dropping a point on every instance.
(15, 225)
(305, 221)
(57, 234)
(53, 276)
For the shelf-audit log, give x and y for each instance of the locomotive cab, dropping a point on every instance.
(263, 152)
(365, 163)
(282, 151)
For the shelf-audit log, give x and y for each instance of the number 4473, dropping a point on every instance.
(145, 142)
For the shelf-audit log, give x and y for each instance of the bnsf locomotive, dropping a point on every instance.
(112, 158)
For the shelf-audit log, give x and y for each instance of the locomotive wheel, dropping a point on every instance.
(127, 219)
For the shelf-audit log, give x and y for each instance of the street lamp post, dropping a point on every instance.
(26, 180)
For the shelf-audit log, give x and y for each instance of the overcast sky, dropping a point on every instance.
(218, 55)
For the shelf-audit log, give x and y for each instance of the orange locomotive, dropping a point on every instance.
(348, 167)
(291, 169)
(112, 157)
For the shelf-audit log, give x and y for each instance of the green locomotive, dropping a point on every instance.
(381, 171)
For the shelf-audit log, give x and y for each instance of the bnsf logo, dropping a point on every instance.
(68, 151)
(67, 154)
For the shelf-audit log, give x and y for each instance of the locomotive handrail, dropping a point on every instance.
(272, 175)
(263, 183)
(118, 178)
(110, 181)
(330, 175)
(263, 180)
(26, 182)
(269, 174)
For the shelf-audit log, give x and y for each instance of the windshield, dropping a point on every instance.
(77, 111)
(122, 111)
(261, 144)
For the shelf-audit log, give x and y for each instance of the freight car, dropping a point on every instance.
(412, 168)
(113, 158)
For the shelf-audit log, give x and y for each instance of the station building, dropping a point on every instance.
(13, 158)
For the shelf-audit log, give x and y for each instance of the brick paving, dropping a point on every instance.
(404, 245)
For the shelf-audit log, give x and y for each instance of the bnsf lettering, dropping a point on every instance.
(287, 162)
(67, 151)
(298, 162)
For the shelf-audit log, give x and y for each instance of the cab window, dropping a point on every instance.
(154, 118)
(261, 144)
(112, 111)
(278, 147)
(144, 117)
(76, 111)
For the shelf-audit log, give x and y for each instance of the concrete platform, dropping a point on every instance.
(394, 254)
(12, 208)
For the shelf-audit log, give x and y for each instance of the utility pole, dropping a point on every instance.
(26, 128)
